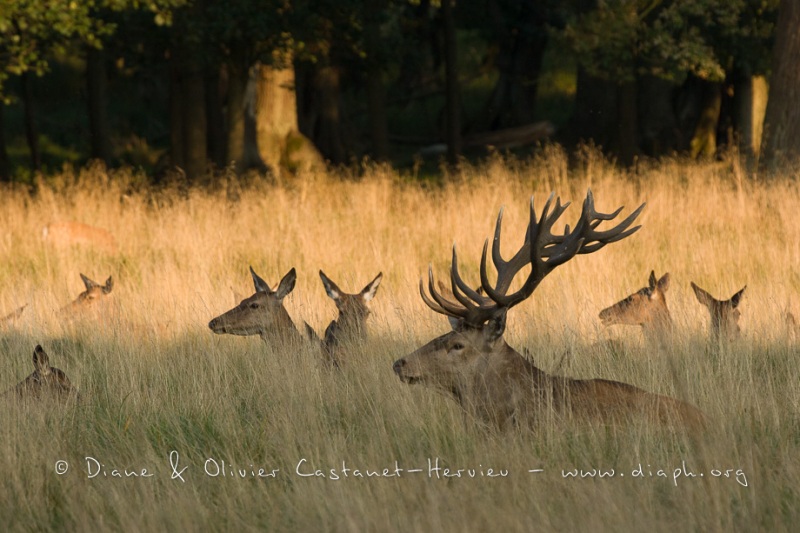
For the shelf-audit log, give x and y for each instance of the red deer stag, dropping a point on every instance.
(492, 381)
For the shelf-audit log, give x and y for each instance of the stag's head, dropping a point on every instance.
(260, 314)
(724, 313)
(45, 381)
(646, 307)
(475, 347)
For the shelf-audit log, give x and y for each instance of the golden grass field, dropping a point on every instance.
(155, 379)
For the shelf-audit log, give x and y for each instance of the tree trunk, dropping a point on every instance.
(276, 111)
(704, 140)
(658, 128)
(376, 91)
(519, 28)
(627, 140)
(328, 135)
(216, 121)
(5, 165)
(177, 151)
(194, 121)
(452, 104)
(235, 98)
(31, 133)
(750, 104)
(782, 121)
(97, 94)
(595, 115)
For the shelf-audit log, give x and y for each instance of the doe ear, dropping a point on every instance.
(368, 292)
(286, 285)
(260, 284)
(736, 299)
(702, 296)
(652, 279)
(331, 289)
(663, 283)
(89, 283)
(40, 360)
(109, 286)
(495, 327)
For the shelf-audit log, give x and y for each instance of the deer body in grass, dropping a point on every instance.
(261, 314)
(350, 326)
(495, 383)
(12, 317)
(45, 381)
(70, 233)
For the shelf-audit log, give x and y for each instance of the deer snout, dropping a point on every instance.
(398, 366)
(216, 326)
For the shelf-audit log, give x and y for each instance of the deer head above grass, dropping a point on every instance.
(724, 313)
(646, 307)
(262, 313)
(45, 381)
(488, 378)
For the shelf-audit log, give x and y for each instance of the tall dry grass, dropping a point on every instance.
(156, 379)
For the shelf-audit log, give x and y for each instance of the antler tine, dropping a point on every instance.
(470, 296)
(449, 307)
(590, 218)
(430, 303)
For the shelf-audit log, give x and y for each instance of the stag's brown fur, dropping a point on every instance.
(498, 386)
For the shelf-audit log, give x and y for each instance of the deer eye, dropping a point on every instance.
(457, 347)
(254, 305)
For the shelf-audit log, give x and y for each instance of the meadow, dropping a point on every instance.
(162, 393)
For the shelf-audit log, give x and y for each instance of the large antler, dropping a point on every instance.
(543, 250)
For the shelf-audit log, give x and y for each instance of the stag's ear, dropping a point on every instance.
(495, 327)
(368, 292)
(702, 296)
(736, 299)
(286, 285)
(109, 286)
(331, 289)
